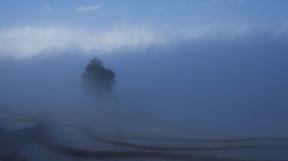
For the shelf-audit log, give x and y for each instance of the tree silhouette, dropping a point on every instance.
(97, 78)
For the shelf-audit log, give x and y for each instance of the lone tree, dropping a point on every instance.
(97, 78)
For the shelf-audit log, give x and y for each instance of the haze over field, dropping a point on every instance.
(203, 69)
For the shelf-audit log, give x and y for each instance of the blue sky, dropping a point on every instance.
(160, 12)
(105, 25)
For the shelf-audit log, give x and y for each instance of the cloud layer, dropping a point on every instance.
(29, 41)
(32, 40)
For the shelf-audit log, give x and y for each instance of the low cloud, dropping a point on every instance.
(33, 40)
(27, 41)
(89, 8)
(220, 32)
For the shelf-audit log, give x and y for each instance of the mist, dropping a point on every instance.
(210, 89)
(172, 80)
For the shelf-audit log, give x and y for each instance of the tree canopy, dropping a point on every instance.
(97, 78)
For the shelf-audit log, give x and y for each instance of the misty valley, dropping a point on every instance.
(68, 107)
(151, 80)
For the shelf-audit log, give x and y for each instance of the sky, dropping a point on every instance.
(107, 25)
(169, 12)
